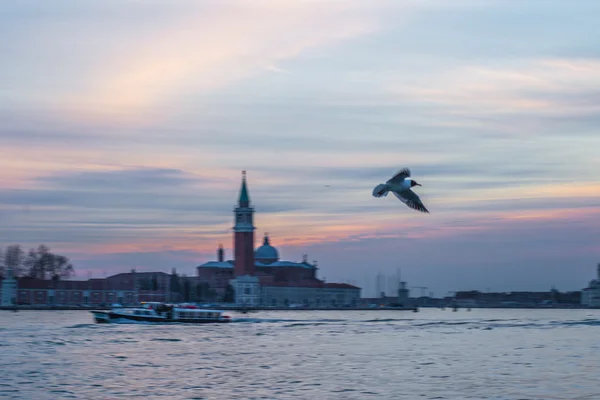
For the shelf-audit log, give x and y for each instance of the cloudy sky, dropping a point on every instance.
(125, 125)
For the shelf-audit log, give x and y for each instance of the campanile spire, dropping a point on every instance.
(244, 232)
(244, 199)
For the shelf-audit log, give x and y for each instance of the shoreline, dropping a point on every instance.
(259, 308)
(224, 308)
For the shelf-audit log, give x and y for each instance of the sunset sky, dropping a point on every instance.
(124, 127)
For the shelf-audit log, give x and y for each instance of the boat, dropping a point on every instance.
(160, 313)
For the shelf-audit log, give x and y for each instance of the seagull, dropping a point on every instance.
(401, 187)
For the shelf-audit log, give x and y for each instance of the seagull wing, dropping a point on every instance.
(412, 200)
(399, 177)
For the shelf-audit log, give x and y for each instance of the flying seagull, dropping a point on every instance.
(401, 187)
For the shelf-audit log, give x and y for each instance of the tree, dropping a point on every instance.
(41, 263)
(187, 289)
(13, 258)
(45, 260)
(62, 267)
(2, 273)
(229, 296)
(175, 286)
(203, 291)
(198, 292)
(30, 263)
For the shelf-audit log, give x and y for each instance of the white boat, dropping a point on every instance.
(162, 313)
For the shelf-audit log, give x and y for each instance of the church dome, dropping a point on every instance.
(266, 253)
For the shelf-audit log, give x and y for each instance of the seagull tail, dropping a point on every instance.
(381, 190)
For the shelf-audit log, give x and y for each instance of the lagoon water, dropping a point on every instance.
(433, 354)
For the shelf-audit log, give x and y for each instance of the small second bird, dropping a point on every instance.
(401, 187)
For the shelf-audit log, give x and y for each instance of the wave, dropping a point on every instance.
(283, 320)
(388, 320)
(305, 324)
(493, 324)
(445, 323)
(81, 326)
(404, 323)
(407, 323)
(585, 322)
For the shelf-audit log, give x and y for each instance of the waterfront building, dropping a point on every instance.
(260, 277)
(126, 288)
(8, 289)
(31, 291)
(590, 296)
(403, 294)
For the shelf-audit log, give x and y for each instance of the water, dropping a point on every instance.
(433, 354)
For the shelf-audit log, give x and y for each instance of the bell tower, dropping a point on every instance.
(245, 284)
(244, 233)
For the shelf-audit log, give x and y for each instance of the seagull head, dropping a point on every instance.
(414, 183)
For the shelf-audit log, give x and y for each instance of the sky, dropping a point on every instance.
(125, 126)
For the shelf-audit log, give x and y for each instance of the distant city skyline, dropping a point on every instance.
(125, 126)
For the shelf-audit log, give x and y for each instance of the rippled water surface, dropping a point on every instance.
(433, 354)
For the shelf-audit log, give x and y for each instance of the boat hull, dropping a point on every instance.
(103, 317)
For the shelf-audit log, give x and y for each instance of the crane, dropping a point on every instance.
(423, 289)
